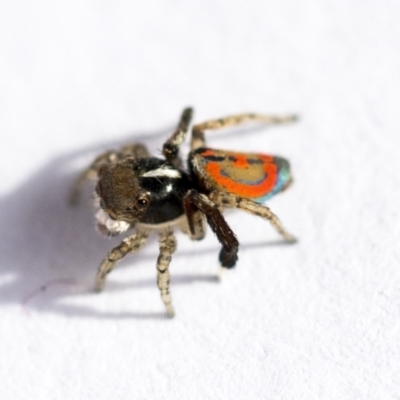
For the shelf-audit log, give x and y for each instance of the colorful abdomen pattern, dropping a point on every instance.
(251, 175)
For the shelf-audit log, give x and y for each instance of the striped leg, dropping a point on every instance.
(171, 146)
(167, 248)
(198, 139)
(260, 210)
(130, 244)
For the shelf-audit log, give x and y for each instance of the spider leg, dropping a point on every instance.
(134, 150)
(195, 220)
(260, 210)
(171, 146)
(198, 139)
(130, 244)
(167, 248)
(230, 245)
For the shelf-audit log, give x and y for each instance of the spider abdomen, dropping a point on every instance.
(251, 175)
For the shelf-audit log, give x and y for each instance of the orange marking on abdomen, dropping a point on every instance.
(241, 161)
(242, 189)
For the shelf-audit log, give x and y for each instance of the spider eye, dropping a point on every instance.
(142, 202)
(102, 206)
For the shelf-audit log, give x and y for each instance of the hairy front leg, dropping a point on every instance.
(130, 244)
(167, 248)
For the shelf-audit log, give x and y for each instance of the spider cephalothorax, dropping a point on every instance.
(144, 193)
(146, 190)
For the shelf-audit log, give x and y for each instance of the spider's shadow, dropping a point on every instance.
(43, 240)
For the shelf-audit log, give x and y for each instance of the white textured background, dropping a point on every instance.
(319, 320)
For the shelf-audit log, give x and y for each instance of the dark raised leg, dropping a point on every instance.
(171, 146)
(195, 201)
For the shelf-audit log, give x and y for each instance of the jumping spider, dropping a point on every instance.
(137, 191)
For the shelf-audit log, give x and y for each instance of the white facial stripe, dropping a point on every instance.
(112, 225)
(162, 172)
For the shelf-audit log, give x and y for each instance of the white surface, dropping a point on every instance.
(318, 320)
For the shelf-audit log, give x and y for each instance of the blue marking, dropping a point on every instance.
(282, 181)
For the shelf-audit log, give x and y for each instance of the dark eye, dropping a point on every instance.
(102, 205)
(142, 202)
